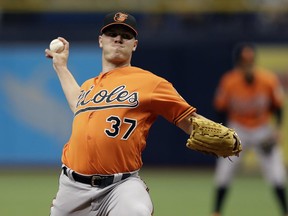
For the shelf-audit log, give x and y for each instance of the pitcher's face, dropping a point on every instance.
(118, 42)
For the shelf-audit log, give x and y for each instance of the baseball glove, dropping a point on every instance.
(213, 138)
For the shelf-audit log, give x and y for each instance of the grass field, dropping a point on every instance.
(175, 192)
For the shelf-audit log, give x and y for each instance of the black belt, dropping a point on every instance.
(95, 180)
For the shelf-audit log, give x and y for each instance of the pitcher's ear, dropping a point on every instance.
(135, 45)
(100, 41)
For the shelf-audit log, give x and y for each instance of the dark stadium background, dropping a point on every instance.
(189, 49)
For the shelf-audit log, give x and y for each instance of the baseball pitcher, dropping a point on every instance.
(113, 113)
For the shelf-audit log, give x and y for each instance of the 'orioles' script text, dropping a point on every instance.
(117, 98)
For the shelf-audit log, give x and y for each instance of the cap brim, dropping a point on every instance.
(117, 23)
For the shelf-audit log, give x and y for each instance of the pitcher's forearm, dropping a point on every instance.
(70, 87)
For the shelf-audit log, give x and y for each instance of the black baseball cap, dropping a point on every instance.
(120, 18)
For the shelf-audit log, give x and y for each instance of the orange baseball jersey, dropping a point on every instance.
(114, 113)
(249, 104)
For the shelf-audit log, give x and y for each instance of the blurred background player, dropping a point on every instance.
(247, 99)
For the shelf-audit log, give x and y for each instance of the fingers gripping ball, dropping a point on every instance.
(56, 45)
(213, 138)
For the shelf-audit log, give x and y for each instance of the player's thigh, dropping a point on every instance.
(272, 165)
(131, 198)
(225, 170)
(72, 199)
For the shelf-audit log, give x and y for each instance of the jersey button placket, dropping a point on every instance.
(89, 119)
(90, 115)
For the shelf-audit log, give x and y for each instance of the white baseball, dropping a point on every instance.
(56, 45)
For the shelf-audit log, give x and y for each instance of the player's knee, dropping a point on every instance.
(139, 210)
(133, 209)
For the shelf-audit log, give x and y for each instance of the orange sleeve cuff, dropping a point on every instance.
(184, 115)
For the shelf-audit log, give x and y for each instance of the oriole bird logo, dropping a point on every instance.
(120, 17)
